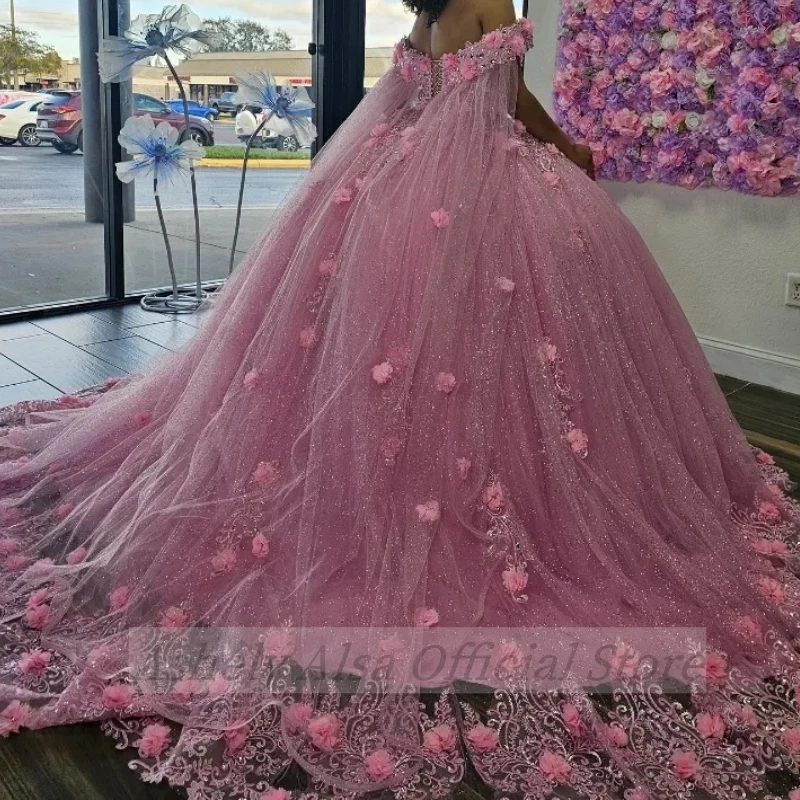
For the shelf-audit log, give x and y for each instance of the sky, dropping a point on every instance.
(56, 21)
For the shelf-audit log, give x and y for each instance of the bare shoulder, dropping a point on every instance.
(495, 14)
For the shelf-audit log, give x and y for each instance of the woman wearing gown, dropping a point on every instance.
(449, 388)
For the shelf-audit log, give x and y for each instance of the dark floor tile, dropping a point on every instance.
(16, 330)
(30, 390)
(730, 385)
(172, 334)
(767, 412)
(130, 355)
(81, 329)
(129, 316)
(11, 373)
(57, 362)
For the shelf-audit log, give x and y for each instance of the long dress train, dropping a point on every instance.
(449, 388)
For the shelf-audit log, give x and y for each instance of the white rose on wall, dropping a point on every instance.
(693, 120)
(669, 41)
(704, 78)
(780, 35)
(658, 119)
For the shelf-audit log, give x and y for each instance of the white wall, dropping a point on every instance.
(725, 254)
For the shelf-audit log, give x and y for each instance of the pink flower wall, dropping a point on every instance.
(686, 92)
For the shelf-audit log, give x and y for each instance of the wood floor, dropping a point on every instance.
(50, 357)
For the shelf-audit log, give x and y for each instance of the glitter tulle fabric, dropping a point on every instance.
(449, 387)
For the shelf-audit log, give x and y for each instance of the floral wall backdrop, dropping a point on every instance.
(686, 92)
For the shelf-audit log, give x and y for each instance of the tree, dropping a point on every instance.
(23, 53)
(242, 35)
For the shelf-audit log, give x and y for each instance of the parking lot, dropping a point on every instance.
(49, 253)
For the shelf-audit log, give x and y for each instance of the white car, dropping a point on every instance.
(18, 121)
(277, 133)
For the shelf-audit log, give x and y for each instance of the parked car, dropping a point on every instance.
(195, 109)
(277, 133)
(60, 121)
(226, 104)
(18, 122)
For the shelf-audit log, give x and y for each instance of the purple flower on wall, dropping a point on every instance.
(687, 92)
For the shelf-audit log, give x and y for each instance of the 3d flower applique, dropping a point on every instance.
(552, 149)
(173, 618)
(266, 474)
(280, 643)
(224, 561)
(379, 765)
(463, 465)
(554, 767)
(791, 739)
(260, 546)
(429, 511)
(143, 418)
(77, 556)
(361, 183)
(493, 40)
(380, 130)
(154, 741)
(769, 513)
(37, 617)
(7, 546)
(34, 662)
(117, 696)
(15, 563)
(38, 597)
(579, 442)
(550, 178)
(449, 62)
(382, 373)
(426, 617)
(296, 716)
(571, 716)
(518, 45)
(308, 337)
(325, 732)
(440, 739)
(765, 458)
(13, 717)
(218, 686)
(440, 218)
(770, 547)
(236, 737)
(505, 284)
(772, 590)
(119, 598)
(275, 794)
(548, 352)
(252, 380)
(749, 628)
(515, 580)
(64, 510)
(343, 197)
(391, 448)
(710, 725)
(685, 765)
(715, 667)
(483, 739)
(445, 382)
(494, 497)
(327, 267)
(469, 69)
(615, 735)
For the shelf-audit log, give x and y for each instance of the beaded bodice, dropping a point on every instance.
(502, 46)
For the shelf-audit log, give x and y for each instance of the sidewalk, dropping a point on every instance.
(55, 256)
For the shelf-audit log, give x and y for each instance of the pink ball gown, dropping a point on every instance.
(449, 388)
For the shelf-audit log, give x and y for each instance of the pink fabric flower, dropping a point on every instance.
(77, 556)
(483, 739)
(518, 45)
(439, 739)
(550, 178)
(266, 474)
(765, 458)
(224, 561)
(218, 686)
(441, 219)
(173, 618)
(260, 546)
(463, 465)
(279, 643)
(772, 590)
(505, 284)
(37, 617)
(276, 794)
(38, 597)
(510, 657)
(791, 738)
(13, 717)
(379, 765)
(327, 268)
(526, 26)
(616, 735)
(308, 337)
(578, 441)
(469, 69)
(236, 737)
(749, 627)
(515, 580)
(450, 62)
(494, 498)
(143, 418)
(710, 726)
(111, 382)
(185, 689)
(297, 716)
(716, 666)
(445, 382)
(684, 765)
(429, 511)
(382, 373)
(64, 510)
(572, 719)
(34, 662)
(769, 512)
(325, 732)
(380, 130)
(117, 696)
(252, 380)
(625, 660)
(391, 447)
(554, 767)
(343, 196)
(794, 794)
(15, 563)
(119, 598)
(426, 617)
(770, 547)
(7, 546)
(154, 741)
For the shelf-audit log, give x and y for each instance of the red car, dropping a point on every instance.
(60, 120)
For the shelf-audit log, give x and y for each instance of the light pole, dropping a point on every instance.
(14, 44)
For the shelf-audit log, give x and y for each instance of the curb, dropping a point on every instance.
(256, 163)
